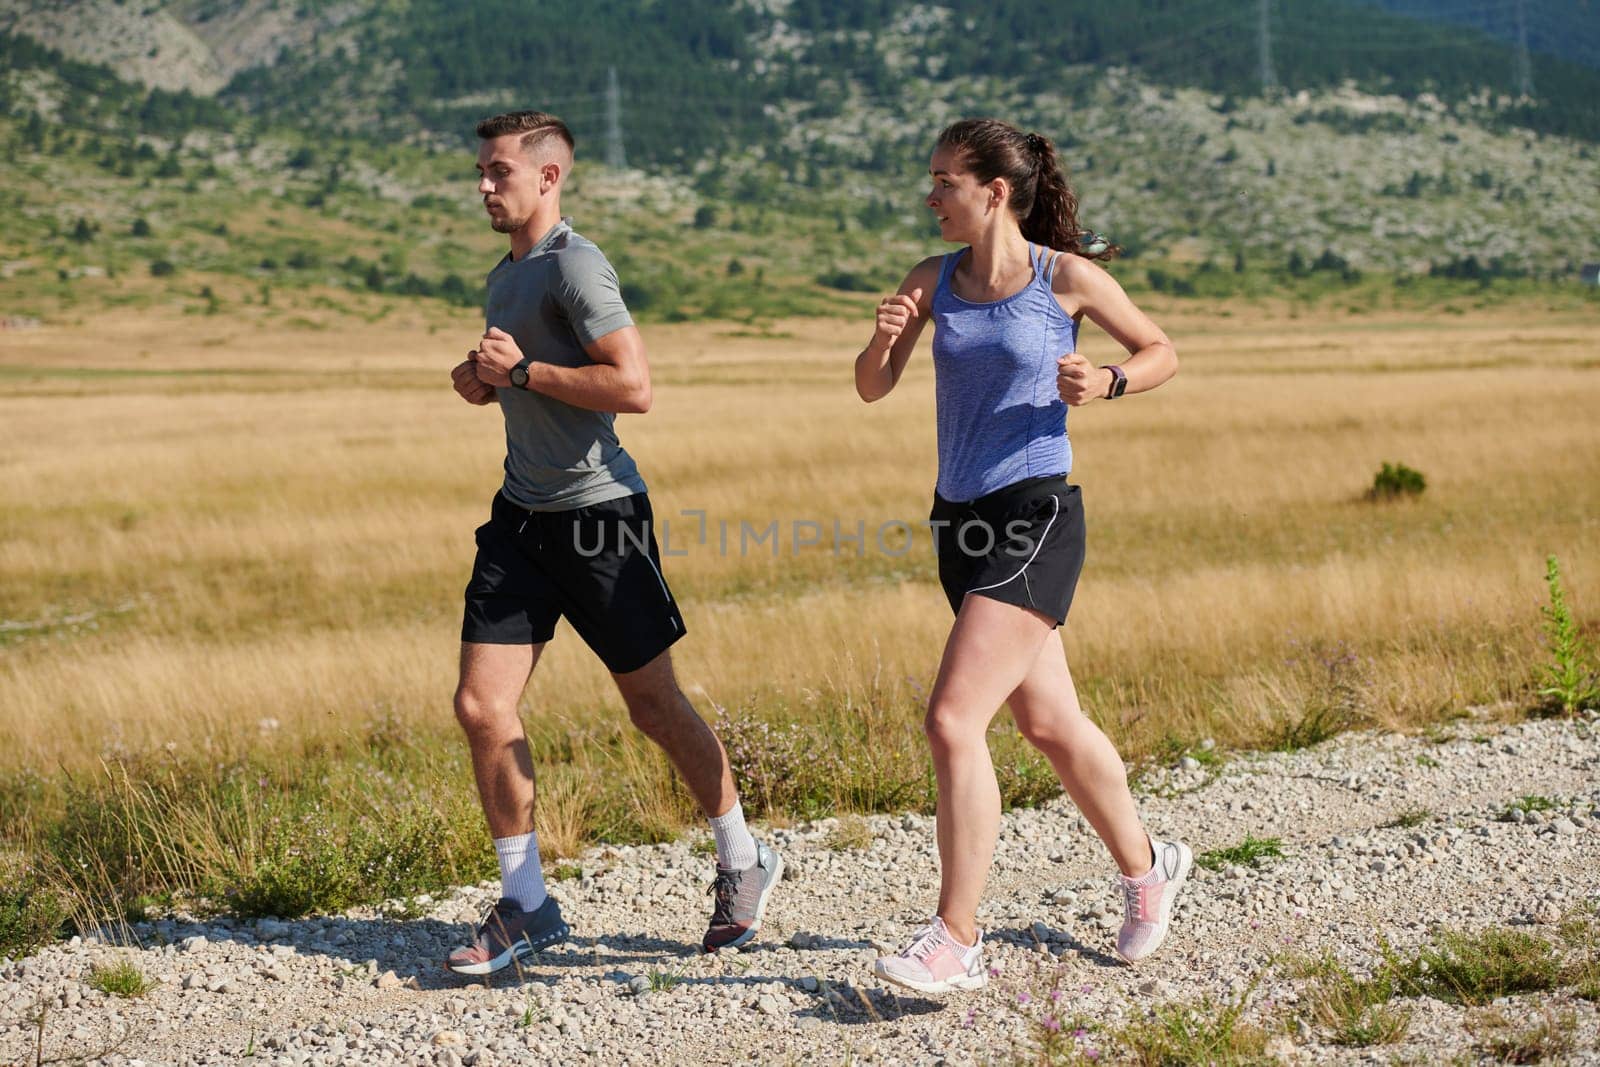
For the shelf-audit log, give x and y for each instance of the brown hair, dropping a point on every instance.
(536, 127)
(1041, 199)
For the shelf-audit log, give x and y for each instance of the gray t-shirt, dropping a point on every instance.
(558, 298)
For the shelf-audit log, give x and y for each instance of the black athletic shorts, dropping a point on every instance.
(598, 565)
(1022, 544)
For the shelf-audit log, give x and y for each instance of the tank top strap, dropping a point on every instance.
(1050, 258)
(948, 268)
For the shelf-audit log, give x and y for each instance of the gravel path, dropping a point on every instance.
(360, 988)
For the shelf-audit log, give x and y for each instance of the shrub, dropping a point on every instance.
(847, 281)
(162, 268)
(1395, 480)
(31, 910)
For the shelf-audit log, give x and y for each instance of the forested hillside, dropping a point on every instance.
(703, 72)
(775, 153)
(1566, 29)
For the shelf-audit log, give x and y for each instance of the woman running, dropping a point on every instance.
(1008, 527)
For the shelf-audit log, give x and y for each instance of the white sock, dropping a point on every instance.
(521, 877)
(736, 849)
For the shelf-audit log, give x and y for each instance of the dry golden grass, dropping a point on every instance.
(253, 521)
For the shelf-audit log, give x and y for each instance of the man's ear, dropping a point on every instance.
(549, 175)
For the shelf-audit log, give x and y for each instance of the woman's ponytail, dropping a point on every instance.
(1045, 205)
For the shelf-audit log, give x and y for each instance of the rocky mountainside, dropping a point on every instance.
(194, 45)
(796, 143)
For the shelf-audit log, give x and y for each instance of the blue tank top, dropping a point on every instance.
(1000, 417)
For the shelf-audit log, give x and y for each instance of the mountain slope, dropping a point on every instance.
(702, 73)
(1566, 29)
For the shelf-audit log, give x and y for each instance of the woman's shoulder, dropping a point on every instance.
(930, 266)
(1075, 275)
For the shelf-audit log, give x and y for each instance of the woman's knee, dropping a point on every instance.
(1052, 730)
(949, 726)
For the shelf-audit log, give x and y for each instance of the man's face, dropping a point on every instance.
(510, 181)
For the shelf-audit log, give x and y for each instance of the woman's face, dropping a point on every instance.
(958, 200)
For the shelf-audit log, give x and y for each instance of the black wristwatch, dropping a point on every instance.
(519, 373)
(1119, 382)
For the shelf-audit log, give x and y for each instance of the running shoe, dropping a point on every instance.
(935, 962)
(741, 900)
(508, 933)
(1148, 899)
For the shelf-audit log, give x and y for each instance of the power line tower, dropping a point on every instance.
(616, 158)
(1269, 80)
(1524, 63)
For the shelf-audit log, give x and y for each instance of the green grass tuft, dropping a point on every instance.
(1353, 1012)
(852, 832)
(1547, 1037)
(120, 979)
(1201, 1033)
(1248, 853)
(1409, 818)
(1476, 968)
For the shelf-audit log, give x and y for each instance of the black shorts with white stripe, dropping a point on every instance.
(598, 566)
(1022, 544)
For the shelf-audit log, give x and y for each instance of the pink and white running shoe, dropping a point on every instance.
(935, 962)
(1148, 899)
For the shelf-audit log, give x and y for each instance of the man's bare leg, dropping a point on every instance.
(747, 871)
(663, 714)
(490, 688)
(526, 919)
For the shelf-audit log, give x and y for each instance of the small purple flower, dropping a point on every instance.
(1080, 1033)
(1052, 1025)
(1055, 996)
(1091, 1053)
(1023, 997)
(1086, 988)
(1255, 924)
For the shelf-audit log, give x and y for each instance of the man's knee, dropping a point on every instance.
(479, 714)
(657, 709)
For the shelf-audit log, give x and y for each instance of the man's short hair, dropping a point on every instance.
(536, 127)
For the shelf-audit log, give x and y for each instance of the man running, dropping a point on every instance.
(569, 534)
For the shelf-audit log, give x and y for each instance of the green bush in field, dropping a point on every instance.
(31, 910)
(847, 281)
(1395, 480)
